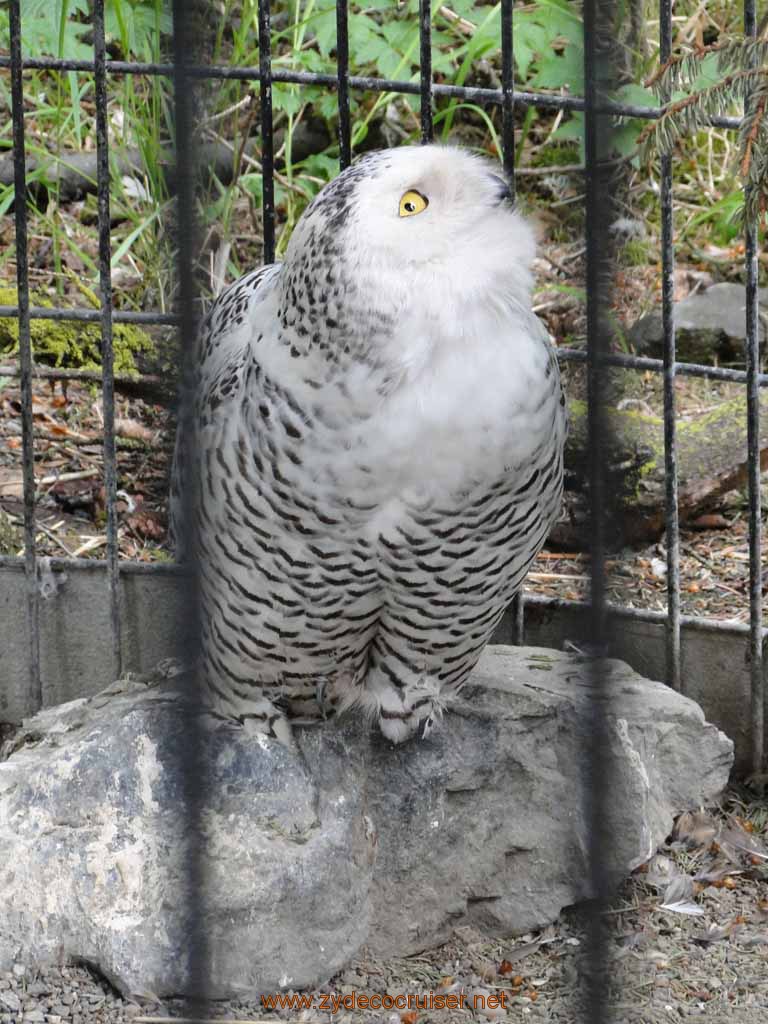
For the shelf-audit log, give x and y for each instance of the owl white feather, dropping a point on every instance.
(380, 432)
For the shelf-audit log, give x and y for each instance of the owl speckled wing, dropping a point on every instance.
(212, 355)
(380, 431)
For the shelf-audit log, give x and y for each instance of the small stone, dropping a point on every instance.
(19, 970)
(710, 327)
(33, 1016)
(10, 1000)
(61, 1010)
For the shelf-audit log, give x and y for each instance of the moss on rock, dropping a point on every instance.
(72, 344)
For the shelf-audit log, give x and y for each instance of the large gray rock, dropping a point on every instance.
(710, 327)
(347, 842)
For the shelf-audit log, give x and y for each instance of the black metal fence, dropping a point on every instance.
(508, 99)
(600, 115)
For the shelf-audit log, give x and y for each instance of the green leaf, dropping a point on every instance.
(287, 98)
(556, 71)
(636, 94)
(323, 25)
(365, 41)
(572, 130)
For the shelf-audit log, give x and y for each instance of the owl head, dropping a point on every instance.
(421, 214)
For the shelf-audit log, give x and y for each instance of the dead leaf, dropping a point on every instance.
(735, 840)
(684, 907)
(485, 969)
(505, 967)
(147, 524)
(679, 890)
(659, 871)
(520, 952)
(694, 828)
(409, 1017)
(715, 873)
(714, 933)
(709, 521)
(134, 430)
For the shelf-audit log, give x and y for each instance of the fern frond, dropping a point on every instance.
(743, 65)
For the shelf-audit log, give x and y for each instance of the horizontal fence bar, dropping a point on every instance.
(637, 614)
(92, 315)
(565, 355)
(278, 75)
(175, 569)
(574, 355)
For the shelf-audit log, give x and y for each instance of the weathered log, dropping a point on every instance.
(711, 460)
(148, 387)
(75, 172)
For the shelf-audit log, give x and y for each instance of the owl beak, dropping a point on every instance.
(503, 192)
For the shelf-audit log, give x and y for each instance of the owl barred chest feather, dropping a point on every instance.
(381, 428)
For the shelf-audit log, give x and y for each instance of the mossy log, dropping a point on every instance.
(711, 460)
(71, 343)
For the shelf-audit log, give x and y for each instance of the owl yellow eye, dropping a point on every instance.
(412, 202)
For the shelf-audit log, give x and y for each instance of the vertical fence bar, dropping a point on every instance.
(670, 431)
(425, 69)
(186, 747)
(599, 25)
(508, 160)
(518, 618)
(267, 131)
(107, 355)
(752, 354)
(342, 74)
(25, 355)
(507, 91)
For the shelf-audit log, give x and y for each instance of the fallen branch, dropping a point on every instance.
(73, 174)
(145, 386)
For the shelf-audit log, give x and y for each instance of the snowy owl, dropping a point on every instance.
(380, 429)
